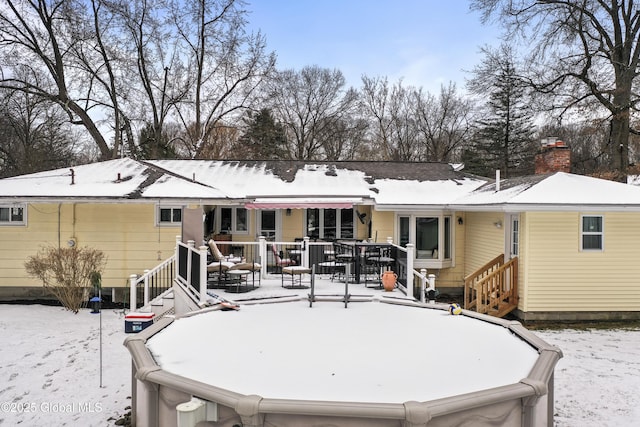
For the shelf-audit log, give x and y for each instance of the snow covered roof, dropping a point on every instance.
(385, 183)
(113, 179)
(388, 185)
(553, 191)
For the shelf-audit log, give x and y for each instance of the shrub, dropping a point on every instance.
(67, 272)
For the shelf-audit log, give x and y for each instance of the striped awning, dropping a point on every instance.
(303, 203)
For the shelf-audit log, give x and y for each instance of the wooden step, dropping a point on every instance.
(503, 309)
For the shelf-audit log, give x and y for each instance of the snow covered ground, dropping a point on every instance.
(50, 370)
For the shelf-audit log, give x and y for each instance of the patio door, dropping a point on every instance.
(269, 224)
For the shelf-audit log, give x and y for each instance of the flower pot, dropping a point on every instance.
(389, 280)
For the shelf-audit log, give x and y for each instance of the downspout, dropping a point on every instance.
(59, 226)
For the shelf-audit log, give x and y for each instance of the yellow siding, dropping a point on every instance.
(126, 233)
(483, 240)
(293, 225)
(453, 277)
(382, 225)
(560, 277)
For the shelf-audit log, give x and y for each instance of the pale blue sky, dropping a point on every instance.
(425, 42)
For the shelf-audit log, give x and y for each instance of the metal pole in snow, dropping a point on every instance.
(100, 302)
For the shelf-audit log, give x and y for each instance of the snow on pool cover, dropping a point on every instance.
(369, 352)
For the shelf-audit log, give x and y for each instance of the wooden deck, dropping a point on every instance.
(493, 288)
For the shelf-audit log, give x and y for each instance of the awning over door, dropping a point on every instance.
(303, 203)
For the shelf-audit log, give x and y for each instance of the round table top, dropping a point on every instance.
(238, 272)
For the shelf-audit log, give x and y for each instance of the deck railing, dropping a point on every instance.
(152, 283)
(493, 288)
(188, 267)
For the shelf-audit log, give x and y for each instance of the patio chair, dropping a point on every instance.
(280, 260)
(217, 273)
(217, 255)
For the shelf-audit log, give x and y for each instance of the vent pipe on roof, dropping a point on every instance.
(497, 179)
(194, 177)
(73, 176)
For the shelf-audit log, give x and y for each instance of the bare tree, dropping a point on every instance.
(43, 36)
(34, 135)
(315, 108)
(152, 58)
(583, 50)
(444, 123)
(227, 66)
(394, 133)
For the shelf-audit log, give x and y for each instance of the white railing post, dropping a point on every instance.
(132, 291)
(203, 274)
(146, 288)
(262, 252)
(423, 283)
(410, 257)
(432, 281)
(305, 254)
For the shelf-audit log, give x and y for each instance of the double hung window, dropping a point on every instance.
(592, 233)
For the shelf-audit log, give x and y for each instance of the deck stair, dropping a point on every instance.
(163, 304)
(493, 288)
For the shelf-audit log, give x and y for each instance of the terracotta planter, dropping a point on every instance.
(389, 280)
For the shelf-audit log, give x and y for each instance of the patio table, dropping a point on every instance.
(239, 277)
(356, 251)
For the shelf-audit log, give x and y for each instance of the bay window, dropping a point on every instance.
(431, 236)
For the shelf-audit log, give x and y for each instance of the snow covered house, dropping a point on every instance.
(566, 243)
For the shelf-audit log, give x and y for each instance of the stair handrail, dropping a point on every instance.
(483, 289)
(168, 265)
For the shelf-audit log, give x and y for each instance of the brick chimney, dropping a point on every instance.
(554, 156)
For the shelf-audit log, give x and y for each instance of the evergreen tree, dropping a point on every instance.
(264, 138)
(504, 136)
(150, 148)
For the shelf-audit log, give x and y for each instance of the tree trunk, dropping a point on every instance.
(619, 144)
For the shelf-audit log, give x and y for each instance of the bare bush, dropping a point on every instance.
(67, 272)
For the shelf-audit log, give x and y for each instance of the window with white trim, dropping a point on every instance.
(234, 220)
(592, 233)
(330, 224)
(169, 215)
(12, 215)
(432, 236)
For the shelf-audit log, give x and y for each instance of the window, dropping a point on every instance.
(170, 215)
(592, 233)
(432, 237)
(404, 230)
(12, 215)
(268, 224)
(427, 237)
(330, 224)
(515, 235)
(234, 220)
